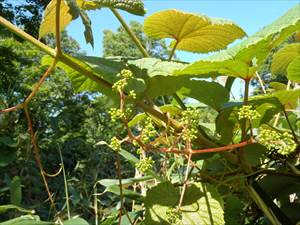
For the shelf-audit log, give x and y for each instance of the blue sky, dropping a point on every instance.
(250, 15)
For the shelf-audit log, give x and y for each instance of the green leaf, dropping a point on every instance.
(15, 190)
(48, 23)
(201, 205)
(205, 69)
(132, 6)
(277, 86)
(126, 193)
(75, 221)
(284, 57)
(254, 154)
(72, 9)
(5, 208)
(233, 210)
(245, 58)
(126, 182)
(192, 32)
(76, 12)
(293, 71)
(209, 93)
(26, 220)
(288, 98)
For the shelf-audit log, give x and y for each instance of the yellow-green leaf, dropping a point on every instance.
(284, 57)
(293, 71)
(192, 32)
(48, 22)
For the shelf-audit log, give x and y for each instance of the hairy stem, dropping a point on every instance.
(185, 181)
(290, 126)
(130, 33)
(27, 37)
(57, 27)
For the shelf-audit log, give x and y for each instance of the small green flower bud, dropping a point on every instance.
(115, 144)
(145, 164)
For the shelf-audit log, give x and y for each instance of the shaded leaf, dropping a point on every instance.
(5, 208)
(76, 221)
(209, 93)
(126, 193)
(192, 32)
(254, 154)
(15, 191)
(26, 220)
(126, 182)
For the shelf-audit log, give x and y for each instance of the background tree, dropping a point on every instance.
(120, 44)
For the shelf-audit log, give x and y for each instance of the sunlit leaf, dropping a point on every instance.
(126, 182)
(5, 208)
(293, 70)
(192, 32)
(245, 58)
(76, 221)
(201, 204)
(284, 57)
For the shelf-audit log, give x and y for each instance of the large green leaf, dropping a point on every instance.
(244, 59)
(209, 93)
(79, 81)
(192, 32)
(288, 98)
(26, 220)
(284, 57)
(132, 6)
(72, 9)
(293, 71)
(201, 205)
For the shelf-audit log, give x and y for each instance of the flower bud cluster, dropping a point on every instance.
(115, 144)
(120, 84)
(173, 215)
(190, 116)
(132, 94)
(145, 164)
(148, 131)
(116, 114)
(247, 112)
(189, 134)
(283, 143)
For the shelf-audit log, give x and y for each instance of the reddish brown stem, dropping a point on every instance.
(36, 153)
(208, 150)
(14, 108)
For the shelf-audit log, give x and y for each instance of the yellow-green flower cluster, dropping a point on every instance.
(190, 116)
(145, 164)
(189, 134)
(115, 144)
(247, 112)
(132, 94)
(173, 215)
(116, 114)
(120, 84)
(283, 143)
(148, 131)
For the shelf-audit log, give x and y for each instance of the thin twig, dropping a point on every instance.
(36, 153)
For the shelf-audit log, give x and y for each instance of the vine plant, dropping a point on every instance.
(244, 144)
